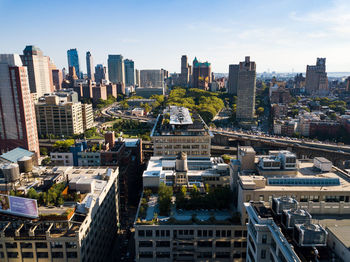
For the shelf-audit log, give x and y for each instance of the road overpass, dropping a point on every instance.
(304, 149)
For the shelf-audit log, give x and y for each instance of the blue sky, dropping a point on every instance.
(280, 35)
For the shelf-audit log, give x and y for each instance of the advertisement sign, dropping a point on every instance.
(19, 206)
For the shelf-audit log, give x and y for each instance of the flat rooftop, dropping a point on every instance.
(179, 115)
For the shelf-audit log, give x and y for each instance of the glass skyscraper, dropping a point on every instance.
(129, 72)
(73, 60)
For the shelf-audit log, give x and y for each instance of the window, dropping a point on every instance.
(148, 233)
(57, 254)
(237, 244)
(11, 245)
(223, 254)
(71, 245)
(147, 254)
(40, 245)
(56, 245)
(223, 244)
(163, 254)
(12, 254)
(42, 254)
(141, 233)
(27, 254)
(72, 254)
(163, 243)
(145, 244)
(238, 233)
(263, 254)
(204, 243)
(261, 198)
(205, 255)
(26, 245)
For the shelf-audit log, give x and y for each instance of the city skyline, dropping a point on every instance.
(289, 36)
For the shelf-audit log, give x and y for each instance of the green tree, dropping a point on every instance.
(43, 151)
(260, 111)
(32, 194)
(164, 198)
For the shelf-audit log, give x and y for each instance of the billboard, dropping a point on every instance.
(19, 206)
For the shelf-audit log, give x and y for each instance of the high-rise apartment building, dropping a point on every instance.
(90, 66)
(100, 73)
(129, 72)
(152, 78)
(88, 116)
(17, 114)
(59, 117)
(116, 71)
(201, 76)
(233, 79)
(38, 67)
(137, 77)
(316, 78)
(185, 71)
(246, 89)
(73, 60)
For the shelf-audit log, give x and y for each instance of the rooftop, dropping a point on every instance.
(15, 154)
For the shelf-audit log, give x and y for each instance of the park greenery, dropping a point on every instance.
(132, 128)
(214, 198)
(104, 103)
(206, 103)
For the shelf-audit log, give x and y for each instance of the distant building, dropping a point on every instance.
(201, 74)
(316, 78)
(185, 71)
(129, 72)
(88, 116)
(17, 114)
(59, 117)
(100, 73)
(137, 77)
(147, 92)
(73, 60)
(246, 90)
(57, 79)
(99, 92)
(38, 70)
(89, 66)
(152, 78)
(233, 79)
(116, 69)
(111, 90)
(279, 95)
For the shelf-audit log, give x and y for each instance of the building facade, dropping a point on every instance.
(116, 71)
(233, 79)
(38, 70)
(246, 89)
(73, 60)
(100, 73)
(129, 72)
(152, 78)
(89, 66)
(17, 114)
(201, 75)
(316, 78)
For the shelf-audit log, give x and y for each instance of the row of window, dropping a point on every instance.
(40, 254)
(190, 232)
(149, 254)
(236, 244)
(41, 244)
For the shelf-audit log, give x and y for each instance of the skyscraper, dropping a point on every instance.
(201, 74)
(185, 72)
(246, 90)
(129, 72)
(233, 79)
(116, 71)
(17, 114)
(137, 77)
(152, 78)
(100, 73)
(38, 70)
(316, 78)
(73, 60)
(89, 66)
(57, 78)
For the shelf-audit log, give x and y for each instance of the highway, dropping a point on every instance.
(285, 140)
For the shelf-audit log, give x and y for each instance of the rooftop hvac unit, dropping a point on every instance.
(283, 203)
(292, 217)
(310, 235)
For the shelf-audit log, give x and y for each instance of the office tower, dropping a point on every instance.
(116, 71)
(316, 78)
(137, 77)
(186, 134)
(100, 73)
(201, 76)
(129, 72)
(73, 60)
(57, 79)
(38, 67)
(17, 114)
(89, 66)
(233, 79)
(58, 116)
(80, 230)
(185, 74)
(152, 78)
(246, 90)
